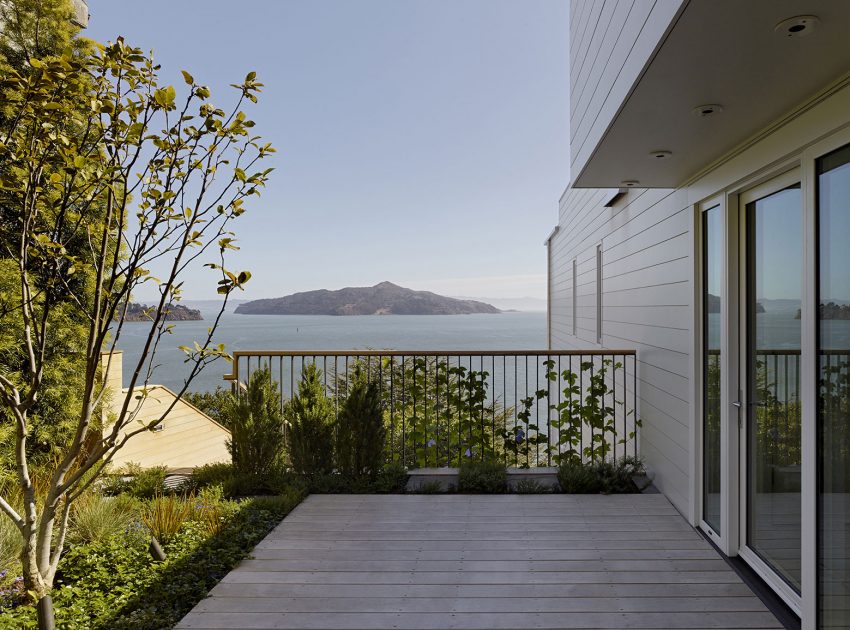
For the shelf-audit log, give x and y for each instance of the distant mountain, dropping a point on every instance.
(385, 298)
(173, 312)
(713, 304)
(525, 304)
(830, 310)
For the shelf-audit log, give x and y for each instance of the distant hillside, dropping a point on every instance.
(173, 312)
(385, 298)
(713, 304)
(523, 304)
(830, 310)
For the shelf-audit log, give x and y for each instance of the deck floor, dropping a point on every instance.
(487, 562)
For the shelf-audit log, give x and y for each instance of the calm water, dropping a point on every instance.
(507, 331)
(781, 331)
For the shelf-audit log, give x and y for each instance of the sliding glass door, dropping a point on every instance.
(712, 247)
(833, 396)
(775, 445)
(771, 303)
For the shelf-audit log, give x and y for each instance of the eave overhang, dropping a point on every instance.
(724, 53)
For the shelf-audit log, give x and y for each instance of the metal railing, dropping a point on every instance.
(527, 407)
(775, 406)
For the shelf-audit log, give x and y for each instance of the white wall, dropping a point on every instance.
(646, 297)
(611, 42)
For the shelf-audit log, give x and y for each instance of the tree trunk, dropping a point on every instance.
(46, 618)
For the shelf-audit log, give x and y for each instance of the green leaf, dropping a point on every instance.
(188, 78)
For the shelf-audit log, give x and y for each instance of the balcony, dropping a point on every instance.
(482, 561)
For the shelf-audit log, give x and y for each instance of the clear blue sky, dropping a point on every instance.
(423, 142)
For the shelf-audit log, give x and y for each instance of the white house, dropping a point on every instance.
(707, 225)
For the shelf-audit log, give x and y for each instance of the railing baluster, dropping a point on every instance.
(493, 404)
(430, 380)
(281, 388)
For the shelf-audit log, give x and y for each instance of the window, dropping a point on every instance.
(712, 278)
(599, 294)
(575, 294)
(833, 377)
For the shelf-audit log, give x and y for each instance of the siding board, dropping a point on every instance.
(647, 305)
(627, 42)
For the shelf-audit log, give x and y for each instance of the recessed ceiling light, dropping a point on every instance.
(629, 183)
(660, 155)
(798, 26)
(704, 111)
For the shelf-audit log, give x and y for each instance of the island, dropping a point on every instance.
(173, 312)
(830, 310)
(384, 298)
(713, 303)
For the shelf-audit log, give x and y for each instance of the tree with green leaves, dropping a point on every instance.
(361, 434)
(140, 180)
(309, 417)
(256, 426)
(32, 29)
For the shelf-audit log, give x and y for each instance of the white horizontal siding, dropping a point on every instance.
(647, 305)
(188, 439)
(611, 42)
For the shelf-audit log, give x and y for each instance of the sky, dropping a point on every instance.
(424, 142)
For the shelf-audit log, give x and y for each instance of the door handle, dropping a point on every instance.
(737, 404)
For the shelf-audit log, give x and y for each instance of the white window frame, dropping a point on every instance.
(717, 201)
(774, 183)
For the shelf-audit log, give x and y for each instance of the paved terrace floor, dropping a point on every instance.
(487, 562)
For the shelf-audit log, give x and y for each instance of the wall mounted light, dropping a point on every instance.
(704, 111)
(798, 26)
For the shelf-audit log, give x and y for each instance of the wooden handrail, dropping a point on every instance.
(423, 353)
(429, 353)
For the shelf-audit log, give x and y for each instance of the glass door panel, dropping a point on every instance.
(772, 303)
(712, 234)
(833, 180)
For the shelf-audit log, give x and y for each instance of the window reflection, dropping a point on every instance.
(712, 269)
(834, 389)
(773, 315)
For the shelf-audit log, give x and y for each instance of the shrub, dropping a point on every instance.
(393, 478)
(614, 477)
(575, 477)
(215, 403)
(115, 584)
(165, 515)
(607, 477)
(256, 426)
(142, 483)
(234, 485)
(489, 477)
(360, 430)
(95, 518)
(211, 475)
(431, 487)
(309, 417)
(11, 544)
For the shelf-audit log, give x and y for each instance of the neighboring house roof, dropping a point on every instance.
(189, 438)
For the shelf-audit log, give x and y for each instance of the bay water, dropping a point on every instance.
(505, 331)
